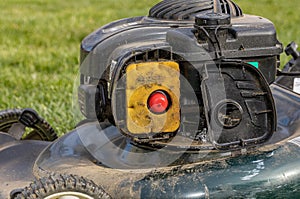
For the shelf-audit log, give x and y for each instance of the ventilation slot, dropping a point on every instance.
(180, 9)
(229, 7)
(188, 9)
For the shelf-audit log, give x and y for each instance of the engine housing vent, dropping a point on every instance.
(187, 9)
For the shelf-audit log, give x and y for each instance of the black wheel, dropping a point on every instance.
(15, 121)
(63, 187)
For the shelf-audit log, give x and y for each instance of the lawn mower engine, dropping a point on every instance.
(198, 70)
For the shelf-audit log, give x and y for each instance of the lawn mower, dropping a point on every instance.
(187, 102)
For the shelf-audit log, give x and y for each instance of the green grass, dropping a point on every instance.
(40, 41)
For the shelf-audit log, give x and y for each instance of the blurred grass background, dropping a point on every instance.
(40, 42)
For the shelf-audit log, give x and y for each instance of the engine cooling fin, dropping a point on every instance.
(186, 10)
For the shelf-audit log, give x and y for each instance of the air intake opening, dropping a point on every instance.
(186, 10)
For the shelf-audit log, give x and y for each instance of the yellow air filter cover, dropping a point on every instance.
(142, 79)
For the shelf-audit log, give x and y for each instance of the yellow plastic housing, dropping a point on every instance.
(142, 79)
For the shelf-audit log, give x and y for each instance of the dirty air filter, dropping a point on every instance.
(188, 9)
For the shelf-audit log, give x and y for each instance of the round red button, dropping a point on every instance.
(158, 102)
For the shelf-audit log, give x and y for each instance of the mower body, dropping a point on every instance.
(100, 152)
(183, 103)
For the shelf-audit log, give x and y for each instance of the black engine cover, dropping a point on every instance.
(239, 107)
